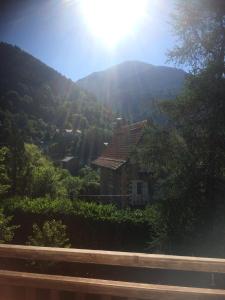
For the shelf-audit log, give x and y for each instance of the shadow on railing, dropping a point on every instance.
(17, 285)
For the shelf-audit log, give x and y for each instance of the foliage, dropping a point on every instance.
(164, 154)
(199, 113)
(46, 179)
(72, 185)
(186, 155)
(87, 210)
(40, 206)
(51, 234)
(90, 181)
(4, 181)
(37, 105)
(39, 177)
(7, 230)
(188, 160)
(199, 28)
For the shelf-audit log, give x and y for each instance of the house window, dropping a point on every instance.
(139, 188)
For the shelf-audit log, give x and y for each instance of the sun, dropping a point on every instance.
(113, 20)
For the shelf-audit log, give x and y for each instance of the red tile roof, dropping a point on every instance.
(118, 151)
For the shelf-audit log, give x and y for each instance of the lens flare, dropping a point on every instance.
(112, 20)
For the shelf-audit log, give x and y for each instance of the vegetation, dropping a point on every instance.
(40, 106)
(51, 234)
(187, 155)
(7, 230)
(78, 208)
(89, 224)
(4, 183)
(37, 176)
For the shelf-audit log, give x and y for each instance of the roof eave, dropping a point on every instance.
(109, 167)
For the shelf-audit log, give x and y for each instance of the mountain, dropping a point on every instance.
(39, 105)
(133, 88)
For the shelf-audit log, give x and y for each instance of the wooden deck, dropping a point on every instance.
(17, 285)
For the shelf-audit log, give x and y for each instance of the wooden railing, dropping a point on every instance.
(17, 285)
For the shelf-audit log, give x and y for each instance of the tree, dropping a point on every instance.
(189, 158)
(90, 181)
(72, 185)
(175, 192)
(41, 177)
(200, 28)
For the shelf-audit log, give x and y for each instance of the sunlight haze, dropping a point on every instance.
(113, 20)
(79, 37)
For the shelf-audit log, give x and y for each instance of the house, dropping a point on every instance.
(121, 180)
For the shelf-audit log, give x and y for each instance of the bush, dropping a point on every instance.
(4, 179)
(83, 209)
(7, 231)
(51, 234)
(90, 225)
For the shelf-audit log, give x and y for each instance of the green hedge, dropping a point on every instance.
(87, 210)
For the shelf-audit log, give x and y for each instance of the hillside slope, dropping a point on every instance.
(133, 87)
(39, 105)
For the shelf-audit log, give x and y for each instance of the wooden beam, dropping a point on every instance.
(108, 287)
(30, 293)
(79, 296)
(54, 295)
(12, 292)
(126, 259)
(106, 297)
(6, 292)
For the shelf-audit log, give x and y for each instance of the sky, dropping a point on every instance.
(58, 33)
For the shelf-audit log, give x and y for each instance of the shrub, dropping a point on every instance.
(51, 234)
(4, 179)
(7, 231)
(87, 210)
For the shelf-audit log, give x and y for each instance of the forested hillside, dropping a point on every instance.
(133, 88)
(39, 105)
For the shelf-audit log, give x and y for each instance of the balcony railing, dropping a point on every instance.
(17, 285)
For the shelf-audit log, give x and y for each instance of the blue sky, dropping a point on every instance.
(55, 32)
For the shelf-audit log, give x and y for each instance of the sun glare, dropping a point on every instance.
(112, 20)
